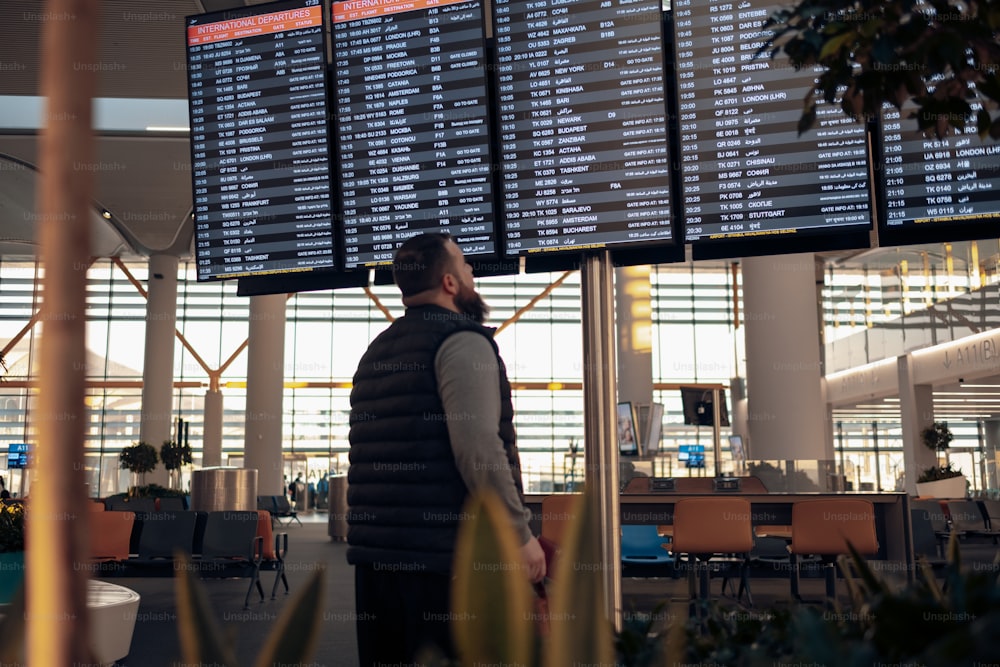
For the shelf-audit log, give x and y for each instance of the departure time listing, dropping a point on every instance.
(260, 143)
(952, 179)
(412, 125)
(583, 123)
(745, 171)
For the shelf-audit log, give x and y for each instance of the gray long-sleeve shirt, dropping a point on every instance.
(469, 386)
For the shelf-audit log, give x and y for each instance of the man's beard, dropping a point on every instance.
(469, 302)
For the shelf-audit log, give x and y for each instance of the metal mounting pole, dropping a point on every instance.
(599, 392)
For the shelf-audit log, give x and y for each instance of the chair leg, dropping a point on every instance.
(692, 573)
(703, 579)
(279, 576)
(692, 576)
(831, 585)
(745, 582)
(793, 575)
(246, 600)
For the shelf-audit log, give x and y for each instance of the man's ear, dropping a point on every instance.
(449, 283)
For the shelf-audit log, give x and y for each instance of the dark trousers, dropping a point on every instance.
(401, 613)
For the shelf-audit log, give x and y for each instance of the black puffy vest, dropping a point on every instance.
(405, 494)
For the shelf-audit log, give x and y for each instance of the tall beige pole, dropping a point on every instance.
(57, 631)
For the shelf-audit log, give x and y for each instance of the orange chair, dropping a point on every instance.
(110, 532)
(824, 528)
(273, 555)
(706, 527)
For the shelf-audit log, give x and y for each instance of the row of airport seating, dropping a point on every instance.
(219, 544)
(145, 504)
(934, 520)
(277, 506)
(711, 531)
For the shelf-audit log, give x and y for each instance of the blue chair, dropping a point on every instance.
(641, 545)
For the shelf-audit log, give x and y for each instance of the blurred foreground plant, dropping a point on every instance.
(922, 623)
(941, 57)
(496, 617)
(292, 640)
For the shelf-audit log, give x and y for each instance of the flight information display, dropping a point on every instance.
(933, 186)
(413, 126)
(745, 171)
(260, 140)
(583, 123)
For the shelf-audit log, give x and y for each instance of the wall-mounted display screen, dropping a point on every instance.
(937, 189)
(583, 124)
(628, 438)
(413, 128)
(259, 140)
(745, 171)
(17, 456)
(692, 455)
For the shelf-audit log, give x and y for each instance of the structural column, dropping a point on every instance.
(991, 434)
(265, 391)
(157, 420)
(785, 409)
(633, 308)
(211, 444)
(916, 412)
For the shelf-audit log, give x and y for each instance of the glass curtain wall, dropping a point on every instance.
(881, 305)
(873, 309)
(694, 341)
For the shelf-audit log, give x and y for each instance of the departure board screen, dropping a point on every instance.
(413, 125)
(745, 171)
(260, 141)
(937, 189)
(583, 124)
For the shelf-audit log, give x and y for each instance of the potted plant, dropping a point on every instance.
(174, 456)
(942, 482)
(140, 458)
(11, 550)
(937, 437)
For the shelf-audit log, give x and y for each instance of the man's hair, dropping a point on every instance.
(420, 263)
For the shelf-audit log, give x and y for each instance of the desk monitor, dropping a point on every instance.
(628, 444)
(698, 410)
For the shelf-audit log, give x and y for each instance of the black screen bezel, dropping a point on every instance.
(488, 63)
(243, 12)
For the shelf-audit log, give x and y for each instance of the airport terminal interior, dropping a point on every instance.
(892, 339)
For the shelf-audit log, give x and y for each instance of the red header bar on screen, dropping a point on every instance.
(250, 26)
(352, 10)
